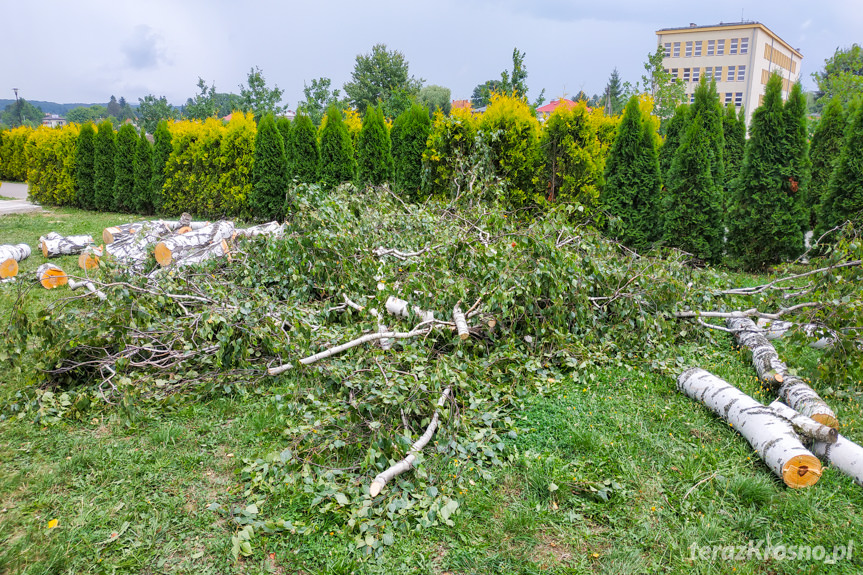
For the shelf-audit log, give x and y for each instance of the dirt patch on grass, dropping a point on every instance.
(552, 550)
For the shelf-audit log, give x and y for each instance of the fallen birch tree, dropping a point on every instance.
(772, 436)
(776, 329)
(793, 390)
(179, 243)
(54, 244)
(51, 276)
(73, 285)
(10, 255)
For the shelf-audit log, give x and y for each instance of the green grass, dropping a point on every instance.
(612, 472)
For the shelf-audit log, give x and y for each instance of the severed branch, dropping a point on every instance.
(460, 322)
(759, 289)
(73, 285)
(398, 254)
(407, 463)
(752, 312)
(803, 425)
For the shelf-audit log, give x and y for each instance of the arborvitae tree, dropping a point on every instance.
(734, 130)
(573, 165)
(374, 149)
(270, 181)
(693, 215)
(764, 224)
(798, 173)
(827, 142)
(284, 126)
(142, 194)
(161, 152)
(844, 200)
(103, 167)
(632, 181)
(124, 168)
(409, 134)
(302, 150)
(674, 132)
(85, 191)
(707, 104)
(337, 153)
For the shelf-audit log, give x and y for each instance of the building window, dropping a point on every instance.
(717, 73)
(674, 73)
(720, 47)
(708, 73)
(730, 77)
(677, 49)
(741, 73)
(698, 47)
(733, 50)
(738, 99)
(686, 74)
(744, 45)
(696, 72)
(692, 98)
(668, 49)
(688, 53)
(728, 97)
(711, 47)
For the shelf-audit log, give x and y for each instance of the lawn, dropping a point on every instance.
(608, 470)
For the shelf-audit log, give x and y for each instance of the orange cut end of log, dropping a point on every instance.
(108, 234)
(826, 419)
(8, 269)
(779, 378)
(44, 249)
(801, 471)
(88, 261)
(53, 278)
(184, 230)
(163, 254)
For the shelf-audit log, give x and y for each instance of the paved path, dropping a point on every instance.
(18, 205)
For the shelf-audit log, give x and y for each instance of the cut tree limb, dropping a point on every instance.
(119, 233)
(775, 329)
(73, 285)
(795, 392)
(89, 258)
(51, 276)
(269, 229)
(408, 462)
(54, 245)
(772, 436)
(803, 425)
(132, 249)
(10, 255)
(398, 254)
(844, 455)
(212, 234)
(400, 307)
(460, 323)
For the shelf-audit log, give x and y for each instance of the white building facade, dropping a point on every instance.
(740, 57)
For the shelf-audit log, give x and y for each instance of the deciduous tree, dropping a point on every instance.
(435, 98)
(319, 97)
(842, 76)
(258, 98)
(382, 76)
(152, 110)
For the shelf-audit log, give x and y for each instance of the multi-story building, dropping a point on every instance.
(739, 56)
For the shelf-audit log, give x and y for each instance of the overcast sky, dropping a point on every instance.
(88, 50)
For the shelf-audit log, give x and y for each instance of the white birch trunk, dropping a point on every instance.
(54, 245)
(214, 233)
(400, 307)
(132, 249)
(772, 437)
(73, 285)
(408, 462)
(803, 425)
(775, 329)
(10, 255)
(269, 229)
(844, 455)
(795, 392)
(120, 233)
(460, 323)
(51, 276)
(89, 258)
(198, 254)
(385, 343)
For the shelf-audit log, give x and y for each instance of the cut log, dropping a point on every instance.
(803, 425)
(772, 436)
(460, 323)
(795, 392)
(400, 307)
(54, 245)
(775, 329)
(119, 233)
(89, 258)
(212, 234)
(844, 455)
(73, 285)
(132, 249)
(10, 255)
(408, 462)
(197, 254)
(268, 229)
(51, 276)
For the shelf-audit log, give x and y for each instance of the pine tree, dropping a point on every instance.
(827, 143)
(674, 132)
(844, 200)
(103, 167)
(632, 181)
(693, 215)
(303, 151)
(142, 194)
(124, 168)
(734, 131)
(337, 153)
(161, 152)
(374, 149)
(765, 224)
(85, 191)
(614, 99)
(409, 134)
(270, 180)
